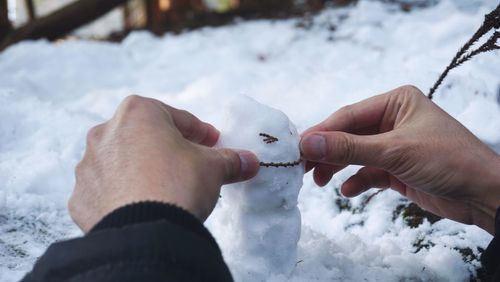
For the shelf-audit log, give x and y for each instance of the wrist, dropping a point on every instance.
(149, 211)
(488, 200)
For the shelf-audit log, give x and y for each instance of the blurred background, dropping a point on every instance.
(114, 19)
(65, 65)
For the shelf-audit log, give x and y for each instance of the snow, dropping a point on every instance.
(261, 214)
(51, 94)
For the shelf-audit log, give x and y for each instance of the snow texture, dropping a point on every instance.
(51, 94)
(262, 213)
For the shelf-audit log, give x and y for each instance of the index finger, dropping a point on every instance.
(358, 118)
(191, 128)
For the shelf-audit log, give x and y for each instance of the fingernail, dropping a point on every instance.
(313, 147)
(247, 162)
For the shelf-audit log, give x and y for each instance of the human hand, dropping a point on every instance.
(151, 151)
(407, 143)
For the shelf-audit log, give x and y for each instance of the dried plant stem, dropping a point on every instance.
(281, 164)
(367, 201)
(491, 22)
(268, 138)
(487, 46)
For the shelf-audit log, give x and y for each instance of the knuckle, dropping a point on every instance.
(229, 160)
(346, 110)
(347, 114)
(132, 103)
(192, 129)
(409, 90)
(188, 129)
(404, 97)
(94, 134)
(133, 99)
(79, 170)
(131, 107)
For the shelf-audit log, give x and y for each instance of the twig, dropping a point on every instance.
(268, 138)
(281, 164)
(491, 22)
(487, 46)
(367, 201)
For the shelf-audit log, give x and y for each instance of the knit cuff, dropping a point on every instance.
(153, 211)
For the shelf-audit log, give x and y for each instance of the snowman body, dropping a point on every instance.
(263, 211)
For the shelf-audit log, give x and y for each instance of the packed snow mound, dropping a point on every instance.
(274, 139)
(262, 212)
(51, 94)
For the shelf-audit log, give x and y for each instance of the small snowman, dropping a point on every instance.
(264, 219)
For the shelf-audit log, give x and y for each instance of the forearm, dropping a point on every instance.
(139, 242)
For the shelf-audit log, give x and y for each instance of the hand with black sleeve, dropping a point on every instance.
(147, 181)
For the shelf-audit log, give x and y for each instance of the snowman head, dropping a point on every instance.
(265, 131)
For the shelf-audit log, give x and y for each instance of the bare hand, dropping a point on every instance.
(151, 151)
(409, 144)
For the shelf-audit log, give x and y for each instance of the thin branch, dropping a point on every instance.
(487, 46)
(368, 200)
(281, 164)
(62, 21)
(30, 6)
(491, 22)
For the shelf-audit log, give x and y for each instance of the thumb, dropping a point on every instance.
(237, 165)
(340, 148)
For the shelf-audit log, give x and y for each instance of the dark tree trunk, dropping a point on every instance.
(150, 11)
(5, 25)
(126, 17)
(154, 16)
(31, 9)
(266, 7)
(62, 21)
(193, 13)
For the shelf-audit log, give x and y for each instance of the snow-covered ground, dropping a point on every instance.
(51, 94)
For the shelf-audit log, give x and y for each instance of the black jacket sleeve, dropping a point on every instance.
(140, 242)
(491, 256)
